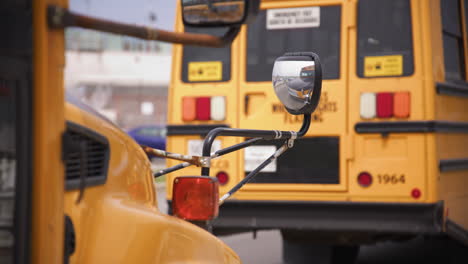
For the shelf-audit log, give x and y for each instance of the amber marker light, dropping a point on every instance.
(195, 198)
(401, 105)
(188, 108)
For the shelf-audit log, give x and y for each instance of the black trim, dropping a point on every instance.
(411, 127)
(453, 165)
(452, 89)
(69, 240)
(72, 184)
(201, 130)
(457, 232)
(377, 219)
(16, 65)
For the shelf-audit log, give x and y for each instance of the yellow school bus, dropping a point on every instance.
(387, 153)
(74, 188)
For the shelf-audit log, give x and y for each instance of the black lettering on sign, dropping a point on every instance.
(324, 106)
(391, 178)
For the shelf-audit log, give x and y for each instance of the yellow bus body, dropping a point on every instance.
(424, 156)
(115, 221)
(119, 221)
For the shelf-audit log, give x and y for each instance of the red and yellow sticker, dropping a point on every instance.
(205, 71)
(383, 66)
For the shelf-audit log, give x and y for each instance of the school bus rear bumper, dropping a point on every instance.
(382, 218)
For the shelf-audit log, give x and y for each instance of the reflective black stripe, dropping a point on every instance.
(382, 218)
(202, 130)
(411, 127)
(453, 165)
(452, 89)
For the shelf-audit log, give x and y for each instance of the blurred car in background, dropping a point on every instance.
(153, 136)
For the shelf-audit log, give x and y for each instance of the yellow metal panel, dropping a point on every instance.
(119, 222)
(49, 121)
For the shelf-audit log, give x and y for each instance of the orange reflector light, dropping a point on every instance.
(364, 179)
(401, 104)
(195, 198)
(188, 108)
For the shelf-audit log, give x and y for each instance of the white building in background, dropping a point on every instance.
(123, 78)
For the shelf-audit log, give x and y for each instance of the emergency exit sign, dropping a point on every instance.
(284, 18)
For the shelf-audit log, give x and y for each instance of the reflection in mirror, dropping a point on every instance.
(297, 83)
(220, 12)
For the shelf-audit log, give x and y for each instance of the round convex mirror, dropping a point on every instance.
(297, 80)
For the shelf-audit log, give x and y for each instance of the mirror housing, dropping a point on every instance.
(218, 13)
(195, 198)
(297, 80)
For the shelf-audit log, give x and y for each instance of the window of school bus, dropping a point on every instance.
(277, 31)
(385, 43)
(200, 64)
(452, 40)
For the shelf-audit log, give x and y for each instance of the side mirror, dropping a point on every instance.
(195, 198)
(218, 13)
(297, 80)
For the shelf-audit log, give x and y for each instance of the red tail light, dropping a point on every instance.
(203, 106)
(364, 179)
(222, 177)
(195, 198)
(384, 105)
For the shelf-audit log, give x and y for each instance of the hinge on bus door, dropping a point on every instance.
(349, 146)
(351, 14)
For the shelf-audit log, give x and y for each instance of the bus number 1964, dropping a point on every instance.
(391, 179)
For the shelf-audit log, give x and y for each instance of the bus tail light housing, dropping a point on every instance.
(203, 108)
(364, 179)
(401, 102)
(189, 108)
(195, 198)
(218, 108)
(368, 108)
(385, 105)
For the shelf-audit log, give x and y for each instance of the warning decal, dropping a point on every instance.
(383, 66)
(205, 71)
(302, 17)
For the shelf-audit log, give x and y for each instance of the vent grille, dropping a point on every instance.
(85, 150)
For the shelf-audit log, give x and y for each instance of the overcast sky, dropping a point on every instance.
(129, 11)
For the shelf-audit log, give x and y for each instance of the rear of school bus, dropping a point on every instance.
(367, 169)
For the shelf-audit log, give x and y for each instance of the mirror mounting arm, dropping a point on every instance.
(263, 134)
(59, 18)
